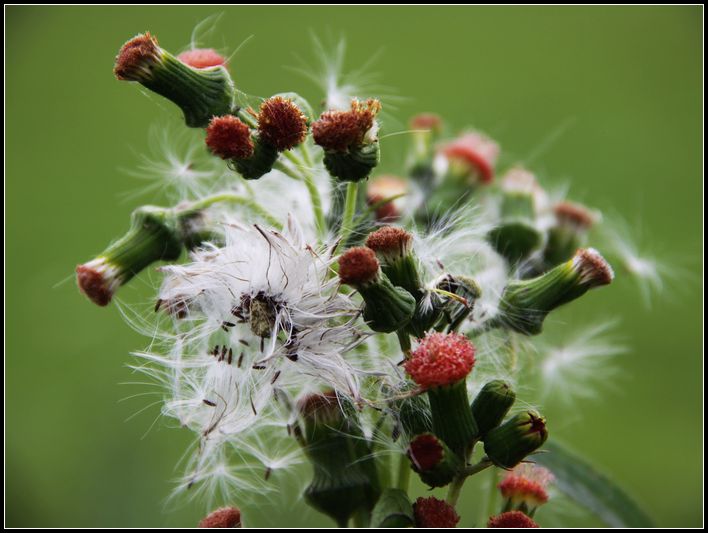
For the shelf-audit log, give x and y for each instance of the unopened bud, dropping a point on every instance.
(386, 308)
(434, 462)
(199, 92)
(569, 232)
(526, 303)
(154, 235)
(349, 139)
(508, 444)
(439, 365)
(491, 405)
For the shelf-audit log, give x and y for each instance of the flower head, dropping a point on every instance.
(475, 150)
(358, 266)
(593, 269)
(441, 359)
(340, 131)
(382, 192)
(511, 519)
(574, 214)
(390, 242)
(202, 58)
(224, 517)
(426, 451)
(98, 280)
(426, 121)
(526, 484)
(281, 123)
(229, 138)
(431, 512)
(136, 57)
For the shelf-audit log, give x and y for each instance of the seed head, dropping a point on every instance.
(135, 58)
(281, 123)
(358, 266)
(224, 517)
(340, 131)
(511, 519)
(441, 359)
(431, 512)
(202, 58)
(229, 138)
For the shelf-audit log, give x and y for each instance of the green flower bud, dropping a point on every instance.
(345, 479)
(349, 139)
(491, 405)
(434, 462)
(439, 365)
(526, 303)
(200, 93)
(154, 235)
(514, 240)
(507, 445)
(393, 509)
(386, 308)
(569, 233)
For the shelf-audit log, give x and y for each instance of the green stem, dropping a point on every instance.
(285, 169)
(234, 199)
(404, 473)
(349, 210)
(491, 496)
(453, 493)
(307, 177)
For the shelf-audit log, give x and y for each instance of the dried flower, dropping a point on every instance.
(229, 138)
(281, 123)
(511, 519)
(224, 517)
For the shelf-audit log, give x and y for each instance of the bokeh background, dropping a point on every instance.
(607, 99)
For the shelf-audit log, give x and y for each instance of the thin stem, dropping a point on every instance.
(453, 493)
(305, 173)
(234, 199)
(285, 169)
(491, 496)
(349, 210)
(404, 474)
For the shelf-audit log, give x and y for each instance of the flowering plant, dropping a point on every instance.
(371, 326)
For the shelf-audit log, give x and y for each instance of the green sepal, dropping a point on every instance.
(442, 473)
(561, 244)
(514, 240)
(508, 444)
(491, 405)
(386, 308)
(260, 163)
(354, 165)
(393, 509)
(154, 235)
(200, 93)
(452, 417)
(526, 303)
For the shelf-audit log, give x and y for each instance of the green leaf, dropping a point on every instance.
(393, 509)
(579, 480)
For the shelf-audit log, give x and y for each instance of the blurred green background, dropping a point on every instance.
(617, 91)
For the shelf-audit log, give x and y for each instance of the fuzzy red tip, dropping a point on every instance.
(426, 121)
(382, 188)
(281, 123)
(202, 58)
(390, 240)
(431, 512)
(511, 519)
(133, 55)
(527, 482)
(425, 451)
(358, 266)
(93, 284)
(339, 131)
(229, 138)
(593, 268)
(575, 214)
(441, 359)
(224, 517)
(478, 151)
